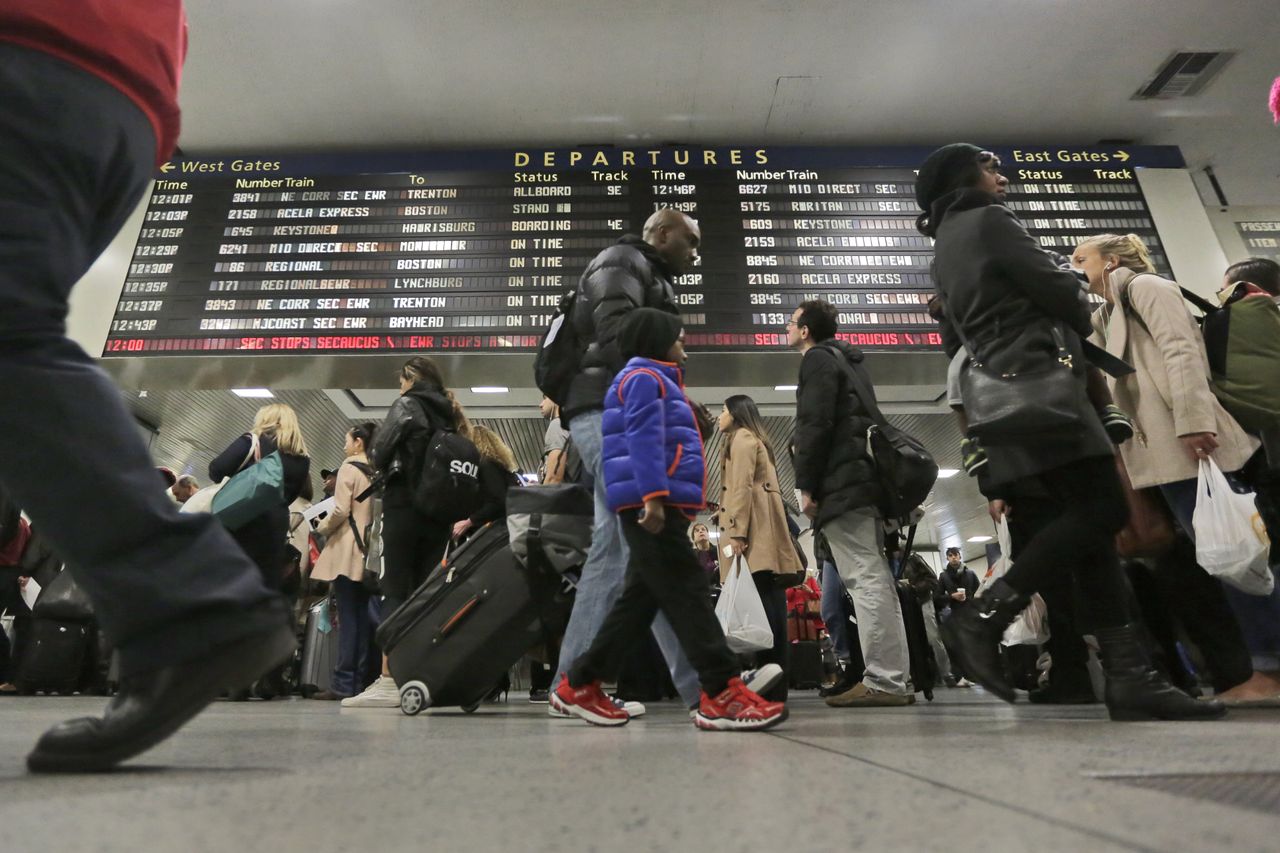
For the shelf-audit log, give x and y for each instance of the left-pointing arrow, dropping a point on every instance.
(167, 168)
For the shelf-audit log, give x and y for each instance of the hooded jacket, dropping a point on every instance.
(624, 277)
(831, 460)
(652, 448)
(401, 441)
(1005, 295)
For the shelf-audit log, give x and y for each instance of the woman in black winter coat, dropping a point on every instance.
(412, 543)
(1015, 310)
(264, 538)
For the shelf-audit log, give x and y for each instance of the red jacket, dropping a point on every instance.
(135, 45)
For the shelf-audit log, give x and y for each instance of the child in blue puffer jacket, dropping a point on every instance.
(654, 477)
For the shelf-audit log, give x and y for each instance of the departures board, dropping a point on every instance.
(472, 250)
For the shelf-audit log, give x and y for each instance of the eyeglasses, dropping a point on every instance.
(789, 324)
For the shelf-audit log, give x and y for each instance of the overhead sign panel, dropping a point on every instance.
(471, 250)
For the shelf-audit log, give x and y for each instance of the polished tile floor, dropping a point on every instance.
(963, 773)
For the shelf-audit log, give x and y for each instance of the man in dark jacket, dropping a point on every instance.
(957, 584)
(89, 109)
(633, 273)
(839, 489)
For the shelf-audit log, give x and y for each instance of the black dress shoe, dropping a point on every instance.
(150, 707)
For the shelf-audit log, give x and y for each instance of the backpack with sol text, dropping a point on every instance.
(559, 358)
(448, 488)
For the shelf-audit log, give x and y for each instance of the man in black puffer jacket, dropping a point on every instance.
(839, 489)
(633, 273)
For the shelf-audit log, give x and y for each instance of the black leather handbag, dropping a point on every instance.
(1008, 408)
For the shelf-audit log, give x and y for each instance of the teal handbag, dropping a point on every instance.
(251, 492)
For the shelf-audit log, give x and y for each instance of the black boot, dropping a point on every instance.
(1135, 691)
(844, 683)
(974, 633)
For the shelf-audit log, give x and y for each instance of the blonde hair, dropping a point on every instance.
(491, 446)
(280, 421)
(1129, 250)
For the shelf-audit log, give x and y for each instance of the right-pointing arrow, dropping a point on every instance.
(1122, 156)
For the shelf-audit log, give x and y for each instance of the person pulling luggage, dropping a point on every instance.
(654, 477)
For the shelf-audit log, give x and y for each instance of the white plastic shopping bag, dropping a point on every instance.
(1231, 540)
(741, 613)
(1031, 628)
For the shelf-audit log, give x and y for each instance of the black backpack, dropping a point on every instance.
(905, 469)
(559, 358)
(448, 488)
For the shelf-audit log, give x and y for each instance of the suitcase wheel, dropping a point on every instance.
(414, 698)
(471, 709)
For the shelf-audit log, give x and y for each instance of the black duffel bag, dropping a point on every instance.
(905, 470)
(550, 525)
(63, 600)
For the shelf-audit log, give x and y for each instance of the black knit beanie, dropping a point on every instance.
(939, 170)
(648, 333)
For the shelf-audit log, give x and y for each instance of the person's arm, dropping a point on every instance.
(642, 406)
(739, 477)
(1166, 318)
(970, 584)
(228, 462)
(620, 292)
(344, 492)
(1016, 254)
(397, 423)
(815, 418)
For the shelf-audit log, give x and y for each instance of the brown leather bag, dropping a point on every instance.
(1150, 531)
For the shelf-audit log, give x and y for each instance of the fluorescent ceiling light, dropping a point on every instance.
(785, 387)
(978, 539)
(252, 392)
(947, 473)
(490, 389)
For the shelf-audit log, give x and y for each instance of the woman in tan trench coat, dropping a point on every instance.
(1177, 421)
(342, 562)
(753, 523)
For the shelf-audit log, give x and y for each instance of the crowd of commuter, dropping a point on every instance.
(1091, 406)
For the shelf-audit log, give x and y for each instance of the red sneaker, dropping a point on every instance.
(738, 709)
(589, 703)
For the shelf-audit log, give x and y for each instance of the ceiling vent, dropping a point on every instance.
(1184, 74)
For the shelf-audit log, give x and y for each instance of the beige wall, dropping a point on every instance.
(1190, 242)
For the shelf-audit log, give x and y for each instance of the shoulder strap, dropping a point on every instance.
(662, 385)
(862, 390)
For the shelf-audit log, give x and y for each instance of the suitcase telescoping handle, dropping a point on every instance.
(462, 613)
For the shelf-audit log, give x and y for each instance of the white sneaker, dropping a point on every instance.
(633, 709)
(964, 682)
(383, 693)
(760, 680)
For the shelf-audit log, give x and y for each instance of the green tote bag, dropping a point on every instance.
(252, 491)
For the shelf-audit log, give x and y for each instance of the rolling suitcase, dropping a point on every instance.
(54, 658)
(460, 632)
(319, 649)
(804, 669)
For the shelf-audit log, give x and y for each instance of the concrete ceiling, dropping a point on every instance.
(326, 74)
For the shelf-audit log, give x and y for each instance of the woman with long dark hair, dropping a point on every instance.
(1017, 313)
(753, 524)
(412, 543)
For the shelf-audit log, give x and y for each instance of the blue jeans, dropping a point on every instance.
(605, 571)
(1258, 615)
(833, 611)
(355, 637)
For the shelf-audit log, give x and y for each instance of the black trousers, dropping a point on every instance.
(412, 546)
(1078, 538)
(663, 574)
(774, 598)
(75, 157)
(1070, 655)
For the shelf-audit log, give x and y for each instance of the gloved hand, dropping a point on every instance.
(973, 457)
(1119, 426)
